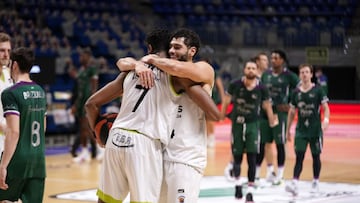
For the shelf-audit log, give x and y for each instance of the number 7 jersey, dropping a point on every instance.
(151, 112)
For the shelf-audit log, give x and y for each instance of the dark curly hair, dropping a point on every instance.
(159, 40)
(191, 38)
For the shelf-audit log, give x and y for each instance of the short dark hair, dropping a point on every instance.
(282, 54)
(159, 40)
(24, 57)
(191, 38)
(252, 60)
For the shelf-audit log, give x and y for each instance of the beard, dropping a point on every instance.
(4, 62)
(183, 57)
(250, 76)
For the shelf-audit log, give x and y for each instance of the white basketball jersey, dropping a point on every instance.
(5, 82)
(150, 112)
(188, 143)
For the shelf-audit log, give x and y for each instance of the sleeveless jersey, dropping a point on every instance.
(280, 86)
(188, 141)
(148, 111)
(5, 82)
(84, 87)
(247, 103)
(28, 101)
(308, 105)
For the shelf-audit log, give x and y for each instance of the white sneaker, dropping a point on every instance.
(271, 177)
(257, 181)
(292, 188)
(314, 187)
(228, 172)
(84, 156)
(278, 181)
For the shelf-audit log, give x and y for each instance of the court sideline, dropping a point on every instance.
(340, 162)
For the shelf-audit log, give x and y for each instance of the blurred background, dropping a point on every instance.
(325, 33)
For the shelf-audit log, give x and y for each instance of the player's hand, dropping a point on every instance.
(145, 74)
(274, 121)
(288, 137)
(149, 58)
(3, 173)
(325, 124)
(283, 107)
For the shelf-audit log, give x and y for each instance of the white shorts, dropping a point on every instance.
(132, 163)
(181, 183)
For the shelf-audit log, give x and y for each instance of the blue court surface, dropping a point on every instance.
(218, 189)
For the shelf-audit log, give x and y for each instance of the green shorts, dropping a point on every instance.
(277, 133)
(29, 190)
(246, 138)
(316, 144)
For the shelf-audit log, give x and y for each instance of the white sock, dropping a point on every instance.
(270, 169)
(280, 174)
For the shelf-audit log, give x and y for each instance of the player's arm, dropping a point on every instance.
(290, 118)
(325, 122)
(94, 84)
(145, 74)
(198, 72)
(126, 64)
(12, 137)
(109, 92)
(200, 96)
(273, 119)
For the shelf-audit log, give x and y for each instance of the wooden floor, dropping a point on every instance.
(340, 163)
(340, 158)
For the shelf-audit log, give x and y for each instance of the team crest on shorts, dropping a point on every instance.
(181, 199)
(181, 196)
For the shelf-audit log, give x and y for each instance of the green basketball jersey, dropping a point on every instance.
(280, 86)
(84, 87)
(308, 105)
(28, 101)
(247, 103)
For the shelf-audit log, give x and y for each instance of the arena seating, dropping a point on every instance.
(114, 29)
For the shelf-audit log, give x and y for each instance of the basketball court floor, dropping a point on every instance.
(340, 178)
